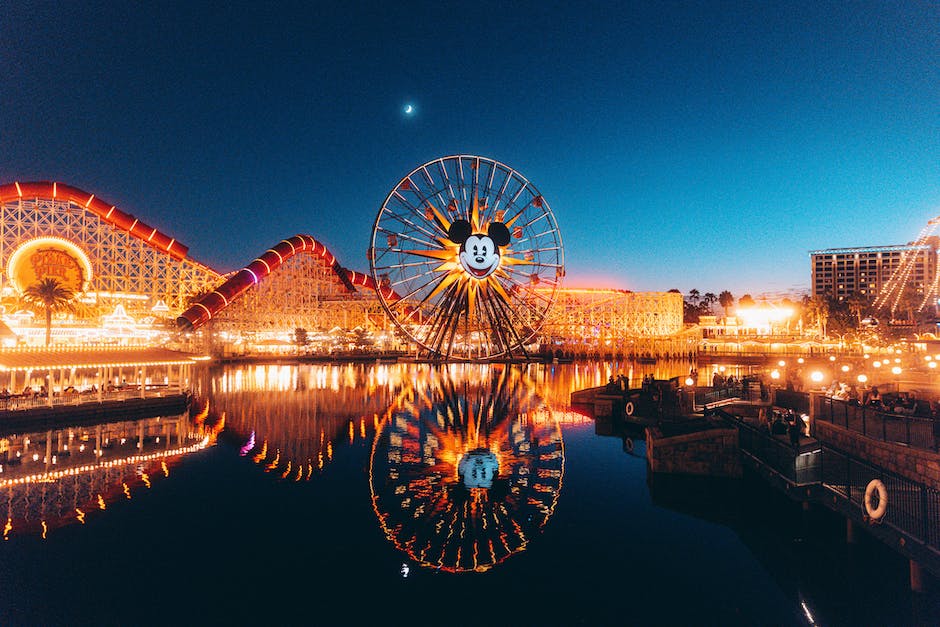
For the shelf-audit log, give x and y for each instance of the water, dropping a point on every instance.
(330, 494)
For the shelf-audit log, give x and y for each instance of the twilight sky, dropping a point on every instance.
(704, 145)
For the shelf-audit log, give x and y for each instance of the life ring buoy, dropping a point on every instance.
(628, 445)
(628, 409)
(876, 513)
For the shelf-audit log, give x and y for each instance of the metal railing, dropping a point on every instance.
(913, 508)
(791, 399)
(801, 468)
(915, 431)
(18, 402)
(706, 395)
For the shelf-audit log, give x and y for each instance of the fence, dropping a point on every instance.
(913, 507)
(18, 402)
(798, 467)
(791, 399)
(706, 395)
(879, 425)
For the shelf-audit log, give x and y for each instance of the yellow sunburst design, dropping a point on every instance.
(452, 271)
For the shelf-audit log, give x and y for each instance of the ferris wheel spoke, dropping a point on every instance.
(475, 167)
(543, 233)
(403, 300)
(417, 227)
(426, 262)
(460, 179)
(489, 312)
(537, 218)
(502, 191)
(447, 184)
(533, 295)
(503, 315)
(410, 238)
(445, 317)
(530, 303)
(535, 251)
(517, 214)
(441, 301)
(433, 220)
(489, 181)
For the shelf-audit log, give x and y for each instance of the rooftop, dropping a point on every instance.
(91, 357)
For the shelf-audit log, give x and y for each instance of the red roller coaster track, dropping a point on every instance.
(109, 213)
(208, 306)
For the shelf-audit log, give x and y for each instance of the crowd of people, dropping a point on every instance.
(901, 403)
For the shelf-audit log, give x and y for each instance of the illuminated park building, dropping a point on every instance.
(133, 282)
(846, 272)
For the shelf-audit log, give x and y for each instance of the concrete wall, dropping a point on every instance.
(713, 453)
(915, 464)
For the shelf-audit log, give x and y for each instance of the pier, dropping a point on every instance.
(851, 453)
(878, 470)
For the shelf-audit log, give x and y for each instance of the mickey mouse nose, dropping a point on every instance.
(480, 259)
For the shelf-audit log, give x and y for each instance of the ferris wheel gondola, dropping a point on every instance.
(467, 257)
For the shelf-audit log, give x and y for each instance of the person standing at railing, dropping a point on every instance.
(793, 429)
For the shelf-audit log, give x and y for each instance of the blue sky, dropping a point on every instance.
(704, 145)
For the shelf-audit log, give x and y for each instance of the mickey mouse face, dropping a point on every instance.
(479, 253)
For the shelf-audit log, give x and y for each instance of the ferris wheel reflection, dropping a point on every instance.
(466, 472)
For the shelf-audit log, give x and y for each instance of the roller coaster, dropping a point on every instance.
(122, 265)
(901, 292)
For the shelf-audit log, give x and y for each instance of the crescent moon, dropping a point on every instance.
(409, 109)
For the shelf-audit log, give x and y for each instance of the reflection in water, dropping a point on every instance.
(557, 382)
(289, 419)
(61, 476)
(465, 470)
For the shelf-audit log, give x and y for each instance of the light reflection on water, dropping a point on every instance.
(331, 485)
(463, 473)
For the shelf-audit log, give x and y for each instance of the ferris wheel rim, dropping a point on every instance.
(527, 322)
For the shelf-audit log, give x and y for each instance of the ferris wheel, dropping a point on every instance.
(467, 257)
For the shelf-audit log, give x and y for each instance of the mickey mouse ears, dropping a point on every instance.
(461, 230)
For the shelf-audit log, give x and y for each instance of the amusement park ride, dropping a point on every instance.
(899, 287)
(469, 257)
(465, 263)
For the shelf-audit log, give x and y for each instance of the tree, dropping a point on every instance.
(49, 295)
(746, 301)
(362, 338)
(820, 305)
(857, 306)
(300, 337)
(908, 301)
(694, 297)
(708, 301)
(726, 300)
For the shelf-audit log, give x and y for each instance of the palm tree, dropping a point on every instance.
(907, 302)
(857, 306)
(726, 300)
(50, 295)
(708, 300)
(821, 309)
